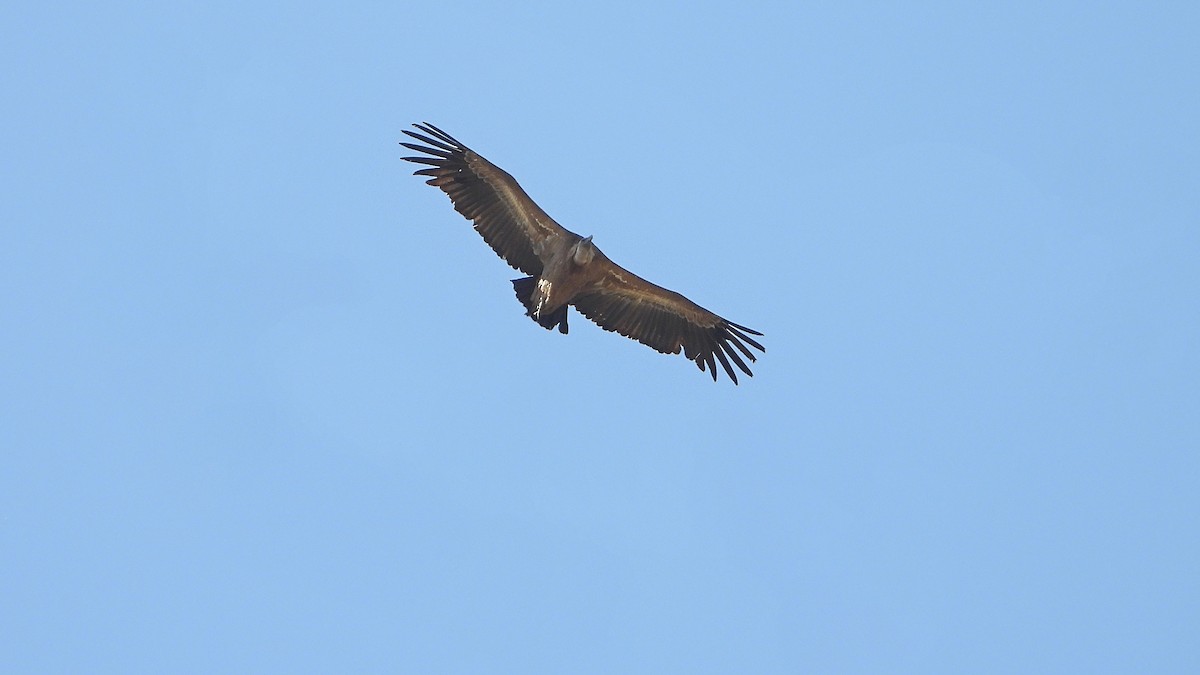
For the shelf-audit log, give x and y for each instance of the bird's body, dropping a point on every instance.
(566, 272)
(566, 269)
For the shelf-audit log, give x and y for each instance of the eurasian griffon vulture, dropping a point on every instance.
(567, 269)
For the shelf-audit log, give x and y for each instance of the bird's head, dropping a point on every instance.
(583, 251)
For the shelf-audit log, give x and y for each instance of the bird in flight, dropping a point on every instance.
(566, 269)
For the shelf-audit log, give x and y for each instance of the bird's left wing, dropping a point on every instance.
(665, 320)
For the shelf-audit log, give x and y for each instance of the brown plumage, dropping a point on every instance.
(567, 269)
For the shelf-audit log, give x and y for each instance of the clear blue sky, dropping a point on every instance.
(267, 403)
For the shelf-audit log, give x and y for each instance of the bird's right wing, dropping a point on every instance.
(510, 222)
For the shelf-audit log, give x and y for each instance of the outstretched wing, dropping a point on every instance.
(511, 223)
(665, 320)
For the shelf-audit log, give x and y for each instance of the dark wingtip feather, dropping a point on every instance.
(737, 342)
(431, 129)
(720, 353)
(737, 330)
(737, 359)
(423, 160)
(444, 154)
(447, 147)
(741, 327)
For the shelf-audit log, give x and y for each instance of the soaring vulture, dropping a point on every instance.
(567, 269)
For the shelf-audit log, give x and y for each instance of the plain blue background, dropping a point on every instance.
(267, 403)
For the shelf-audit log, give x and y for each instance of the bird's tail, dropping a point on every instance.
(524, 288)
